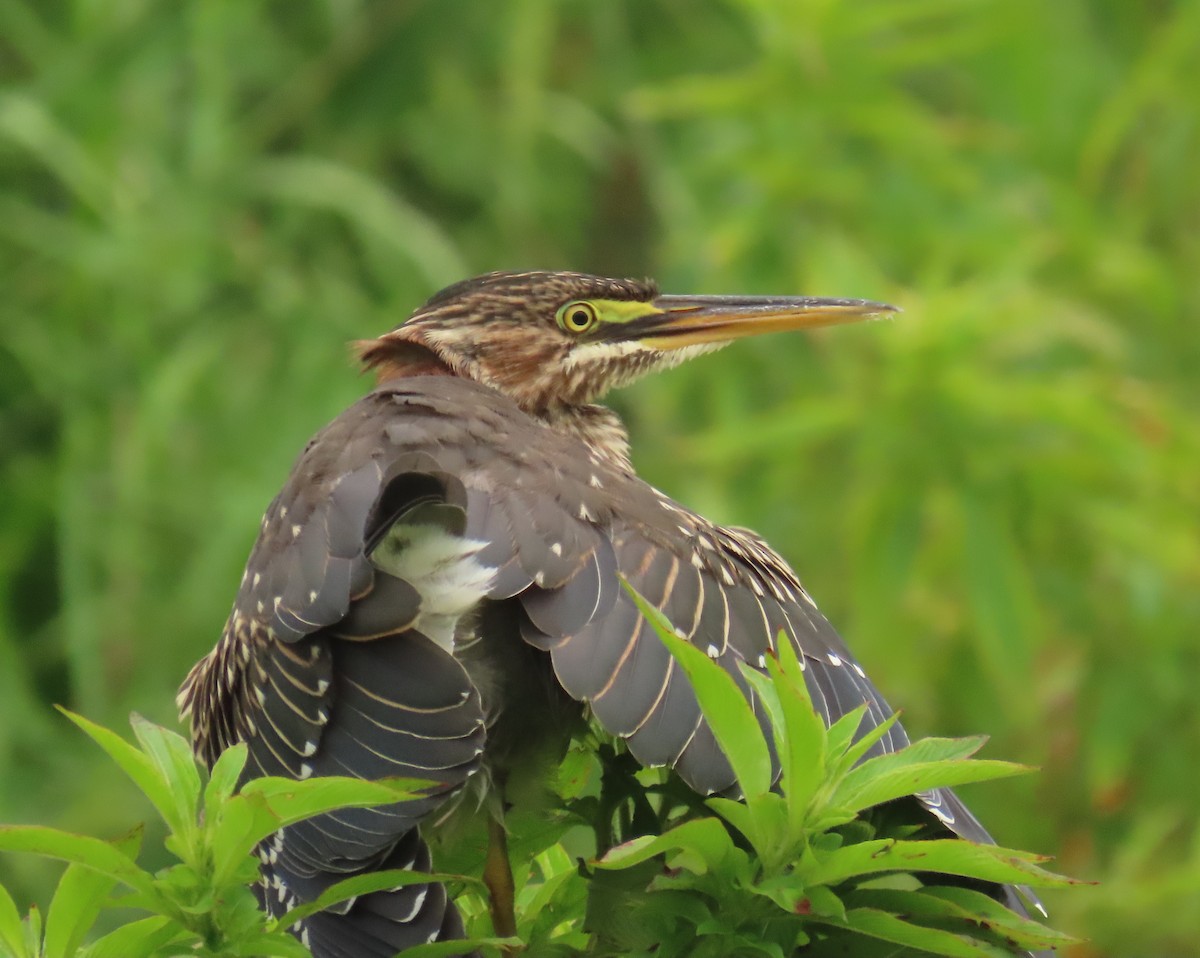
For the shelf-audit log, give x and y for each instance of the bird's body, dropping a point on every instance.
(438, 580)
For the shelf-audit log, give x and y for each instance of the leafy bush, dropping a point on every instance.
(202, 904)
(790, 865)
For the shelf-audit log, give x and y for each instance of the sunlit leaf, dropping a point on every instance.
(172, 756)
(12, 931)
(924, 765)
(222, 780)
(724, 706)
(92, 853)
(887, 927)
(451, 949)
(142, 937)
(138, 766)
(78, 900)
(698, 846)
(972, 911)
(387, 880)
(951, 856)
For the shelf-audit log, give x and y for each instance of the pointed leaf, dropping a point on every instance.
(267, 804)
(950, 856)
(805, 752)
(701, 844)
(881, 925)
(964, 907)
(293, 801)
(861, 745)
(144, 937)
(172, 756)
(78, 900)
(267, 945)
(842, 732)
(12, 931)
(223, 779)
(721, 700)
(359, 885)
(138, 766)
(89, 852)
(452, 949)
(924, 765)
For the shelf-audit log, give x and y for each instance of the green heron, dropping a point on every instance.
(438, 582)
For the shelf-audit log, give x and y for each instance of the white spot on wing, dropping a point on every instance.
(418, 901)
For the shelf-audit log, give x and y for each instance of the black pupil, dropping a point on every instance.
(580, 317)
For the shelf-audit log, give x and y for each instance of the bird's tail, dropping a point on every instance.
(377, 925)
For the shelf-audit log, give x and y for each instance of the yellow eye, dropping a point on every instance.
(577, 317)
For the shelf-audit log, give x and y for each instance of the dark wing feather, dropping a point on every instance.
(728, 594)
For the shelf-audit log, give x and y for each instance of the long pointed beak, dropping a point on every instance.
(691, 320)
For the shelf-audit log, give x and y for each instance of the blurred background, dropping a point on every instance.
(994, 496)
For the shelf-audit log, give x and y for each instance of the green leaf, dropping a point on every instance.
(854, 751)
(804, 752)
(267, 945)
(950, 856)
(292, 801)
(452, 949)
(144, 937)
(841, 733)
(12, 930)
(972, 910)
(265, 805)
(33, 930)
(240, 824)
(364, 885)
(78, 900)
(700, 845)
(222, 780)
(764, 822)
(138, 766)
(89, 852)
(886, 927)
(927, 764)
(556, 868)
(721, 700)
(794, 897)
(172, 756)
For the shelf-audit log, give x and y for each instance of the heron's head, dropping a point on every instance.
(552, 339)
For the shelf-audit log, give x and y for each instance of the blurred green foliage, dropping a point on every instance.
(994, 496)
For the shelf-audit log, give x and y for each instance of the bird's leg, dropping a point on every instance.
(497, 871)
